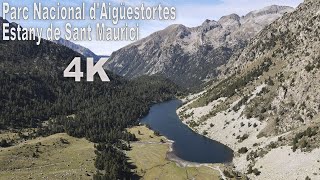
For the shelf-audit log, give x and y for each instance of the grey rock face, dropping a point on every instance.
(190, 56)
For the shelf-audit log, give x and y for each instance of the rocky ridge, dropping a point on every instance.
(191, 56)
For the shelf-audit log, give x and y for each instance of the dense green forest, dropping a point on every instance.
(34, 93)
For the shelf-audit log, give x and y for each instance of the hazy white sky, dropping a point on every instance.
(189, 12)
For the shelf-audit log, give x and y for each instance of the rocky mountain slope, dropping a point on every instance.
(77, 48)
(189, 56)
(267, 106)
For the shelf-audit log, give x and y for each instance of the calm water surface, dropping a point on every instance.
(187, 145)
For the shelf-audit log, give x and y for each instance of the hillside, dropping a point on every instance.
(34, 94)
(191, 56)
(266, 106)
(57, 156)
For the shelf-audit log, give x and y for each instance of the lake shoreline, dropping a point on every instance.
(170, 156)
(181, 162)
(152, 154)
(186, 147)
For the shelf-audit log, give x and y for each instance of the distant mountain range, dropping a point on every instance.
(191, 56)
(78, 48)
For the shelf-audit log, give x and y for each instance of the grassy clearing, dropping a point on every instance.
(145, 135)
(149, 155)
(55, 157)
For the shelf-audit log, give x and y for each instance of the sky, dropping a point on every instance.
(190, 13)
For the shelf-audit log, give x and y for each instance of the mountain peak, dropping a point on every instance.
(175, 27)
(208, 25)
(230, 21)
(273, 9)
(234, 17)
